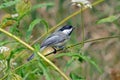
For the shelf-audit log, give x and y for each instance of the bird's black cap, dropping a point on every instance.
(65, 27)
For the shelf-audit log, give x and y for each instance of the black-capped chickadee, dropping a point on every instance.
(56, 39)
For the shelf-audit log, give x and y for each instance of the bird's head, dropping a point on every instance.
(67, 29)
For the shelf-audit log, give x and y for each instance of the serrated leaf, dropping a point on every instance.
(23, 6)
(32, 25)
(108, 19)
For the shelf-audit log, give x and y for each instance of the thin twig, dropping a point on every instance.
(92, 40)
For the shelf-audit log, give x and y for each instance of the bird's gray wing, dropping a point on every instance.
(52, 40)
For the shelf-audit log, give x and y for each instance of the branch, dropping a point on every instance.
(92, 40)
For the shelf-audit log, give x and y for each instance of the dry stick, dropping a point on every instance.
(32, 49)
(93, 40)
(64, 20)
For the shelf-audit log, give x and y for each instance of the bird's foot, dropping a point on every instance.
(55, 51)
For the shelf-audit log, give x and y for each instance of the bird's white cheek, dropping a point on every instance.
(67, 31)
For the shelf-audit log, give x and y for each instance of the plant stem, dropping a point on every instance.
(83, 28)
(32, 49)
(92, 40)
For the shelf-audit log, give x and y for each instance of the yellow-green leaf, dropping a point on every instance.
(23, 6)
(108, 19)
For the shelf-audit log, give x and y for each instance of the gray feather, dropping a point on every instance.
(55, 39)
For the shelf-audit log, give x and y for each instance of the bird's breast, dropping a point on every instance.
(62, 43)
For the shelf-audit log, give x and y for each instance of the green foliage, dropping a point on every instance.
(16, 50)
(4, 42)
(1, 56)
(76, 77)
(78, 56)
(22, 7)
(45, 69)
(32, 25)
(50, 4)
(109, 19)
(8, 4)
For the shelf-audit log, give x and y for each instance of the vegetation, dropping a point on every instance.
(92, 53)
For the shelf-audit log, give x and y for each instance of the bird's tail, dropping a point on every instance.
(31, 57)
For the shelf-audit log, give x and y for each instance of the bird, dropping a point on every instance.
(57, 39)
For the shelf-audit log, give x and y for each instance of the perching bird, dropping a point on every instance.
(56, 39)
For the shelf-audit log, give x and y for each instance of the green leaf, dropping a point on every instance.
(16, 50)
(1, 56)
(45, 69)
(37, 47)
(32, 25)
(42, 5)
(76, 77)
(30, 72)
(4, 42)
(27, 8)
(87, 59)
(68, 64)
(8, 4)
(108, 19)
(22, 7)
